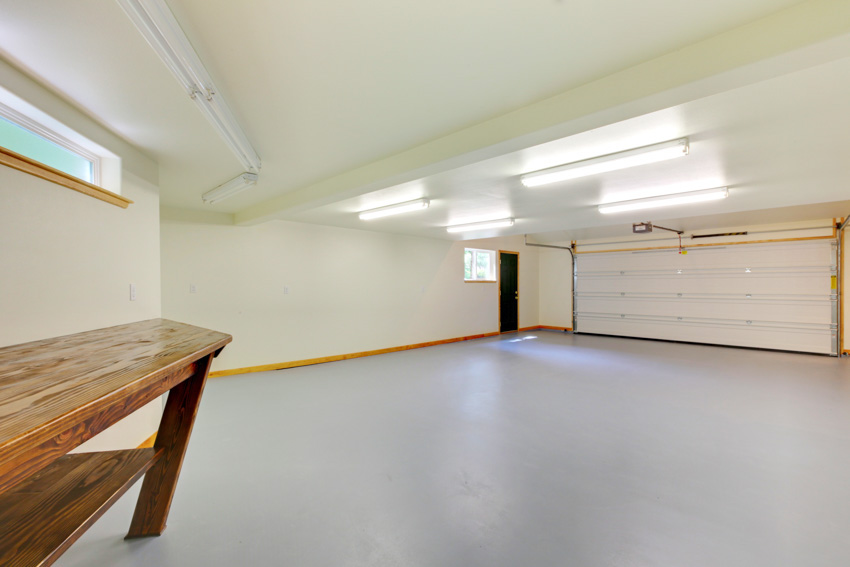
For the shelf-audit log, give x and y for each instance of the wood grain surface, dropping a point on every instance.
(23, 460)
(172, 439)
(42, 516)
(57, 393)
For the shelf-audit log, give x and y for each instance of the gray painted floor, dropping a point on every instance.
(550, 450)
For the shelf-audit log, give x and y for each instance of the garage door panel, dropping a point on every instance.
(735, 284)
(802, 254)
(794, 339)
(759, 295)
(739, 309)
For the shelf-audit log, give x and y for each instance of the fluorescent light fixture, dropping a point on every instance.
(397, 209)
(666, 200)
(500, 223)
(229, 189)
(609, 162)
(162, 31)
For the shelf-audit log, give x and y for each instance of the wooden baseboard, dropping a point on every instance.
(323, 359)
(336, 358)
(148, 443)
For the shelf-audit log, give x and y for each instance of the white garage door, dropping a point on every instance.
(776, 295)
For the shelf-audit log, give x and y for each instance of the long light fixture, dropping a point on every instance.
(396, 209)
(162, 31)
(499, 223)
(229, 189)
(609, 162)
(666, 200)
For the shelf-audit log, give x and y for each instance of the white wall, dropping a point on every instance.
(68, 259)
(349, 290)
(556, 287)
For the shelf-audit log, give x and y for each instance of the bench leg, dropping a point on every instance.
(175, 428)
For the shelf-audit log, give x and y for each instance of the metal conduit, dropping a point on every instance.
(750, 233)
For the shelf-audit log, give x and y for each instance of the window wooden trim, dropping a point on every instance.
(38, 169)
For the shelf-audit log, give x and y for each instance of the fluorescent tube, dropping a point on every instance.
(160, 28)
(609, 162)
(396, 209)
(666, 200)
(229, 189)
(500, 223)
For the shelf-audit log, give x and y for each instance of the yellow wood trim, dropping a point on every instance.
(320, 360)
(708, 245)
(841, 299)
(148, 443)
(38, 169)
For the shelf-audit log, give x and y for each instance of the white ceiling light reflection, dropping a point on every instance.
(624, 159)
(687, 198)
(636, 132)
(481, 225)
(395, 209)
(610, 194)
(389, 196)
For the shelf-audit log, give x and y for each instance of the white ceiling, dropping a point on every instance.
(778, 143)
(328, 92)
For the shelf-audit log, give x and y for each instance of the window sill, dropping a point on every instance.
(27, 165)
(479, 281)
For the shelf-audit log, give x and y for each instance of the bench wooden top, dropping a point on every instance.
(47, 385)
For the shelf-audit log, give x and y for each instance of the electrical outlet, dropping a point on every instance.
(192, 288)
(286, 290)
(132, 292)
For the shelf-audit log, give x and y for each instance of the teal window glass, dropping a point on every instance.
(27, 143)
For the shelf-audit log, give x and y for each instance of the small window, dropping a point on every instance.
(479, 265)
(38, 144)
(56, 154)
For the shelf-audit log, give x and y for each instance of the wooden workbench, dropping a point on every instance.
(57, 393)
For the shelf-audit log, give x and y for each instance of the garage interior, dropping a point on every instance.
(642, 362)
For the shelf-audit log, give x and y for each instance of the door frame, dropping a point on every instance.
(499, 287)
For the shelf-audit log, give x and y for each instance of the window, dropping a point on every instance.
(36, 143)
(479, 265)
(26, 142)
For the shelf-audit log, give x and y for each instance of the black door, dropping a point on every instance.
(508, 291)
